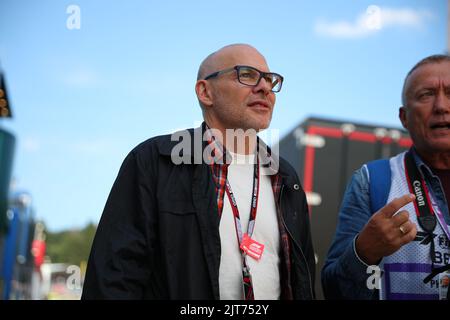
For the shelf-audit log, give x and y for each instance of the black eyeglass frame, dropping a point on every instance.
(238, 67)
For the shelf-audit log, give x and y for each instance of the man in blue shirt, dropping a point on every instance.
(400, 251)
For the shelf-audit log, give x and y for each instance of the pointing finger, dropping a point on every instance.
(392, 207)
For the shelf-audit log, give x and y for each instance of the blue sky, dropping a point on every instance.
(83, 98)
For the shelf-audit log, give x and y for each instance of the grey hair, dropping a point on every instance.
(436, 58)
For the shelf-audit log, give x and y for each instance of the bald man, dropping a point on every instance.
(211, 212)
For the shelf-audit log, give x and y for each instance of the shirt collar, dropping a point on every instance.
(423, 167)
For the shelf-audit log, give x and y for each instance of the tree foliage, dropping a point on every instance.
(71, 246)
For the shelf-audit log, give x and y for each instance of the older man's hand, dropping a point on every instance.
(386, 231)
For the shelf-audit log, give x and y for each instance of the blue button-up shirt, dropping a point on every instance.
(344, 275)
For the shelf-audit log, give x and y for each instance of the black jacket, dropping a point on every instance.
(158, 237)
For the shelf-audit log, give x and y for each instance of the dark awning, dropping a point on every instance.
(5, 106)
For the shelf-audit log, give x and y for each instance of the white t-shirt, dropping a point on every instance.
(265, 272)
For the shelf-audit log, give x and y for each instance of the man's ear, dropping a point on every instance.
(402, 116)
(203, 91)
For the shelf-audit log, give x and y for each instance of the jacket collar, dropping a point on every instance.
(423, 167)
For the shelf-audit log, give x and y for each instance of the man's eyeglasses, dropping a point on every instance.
(251, 77)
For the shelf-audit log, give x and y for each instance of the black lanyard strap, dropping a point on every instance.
(435, 272)
(417, 186)
(424, 211)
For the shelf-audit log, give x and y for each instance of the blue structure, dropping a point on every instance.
(17, 263)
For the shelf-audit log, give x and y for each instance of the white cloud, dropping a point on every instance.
(373, 20)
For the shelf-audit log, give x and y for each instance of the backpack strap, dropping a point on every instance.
(379, 183)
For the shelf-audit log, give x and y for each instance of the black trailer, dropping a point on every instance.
(325, 153)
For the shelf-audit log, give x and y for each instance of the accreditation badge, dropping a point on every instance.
(444, 281)
(251, 247)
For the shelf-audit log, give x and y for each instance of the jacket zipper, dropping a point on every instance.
(295, 242)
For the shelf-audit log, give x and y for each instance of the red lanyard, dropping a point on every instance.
(246, 277)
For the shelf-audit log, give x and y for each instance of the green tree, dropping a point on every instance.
(71, 246)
